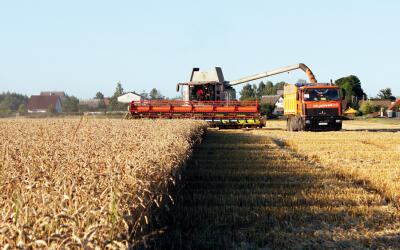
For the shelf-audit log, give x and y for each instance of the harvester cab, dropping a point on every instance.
(207, 86)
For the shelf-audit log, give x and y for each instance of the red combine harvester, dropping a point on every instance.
(209, 97)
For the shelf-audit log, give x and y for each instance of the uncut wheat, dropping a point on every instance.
(87, 183)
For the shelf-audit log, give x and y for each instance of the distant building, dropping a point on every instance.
(270, 99)
(90, 102)
(61, 94)
(393, 109)
(394, 104)
(376, 102)
(129, 97)
(276, 100)
(41, 103)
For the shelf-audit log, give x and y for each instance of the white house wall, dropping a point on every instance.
(279, 103)
(37, 111)
(129, 97)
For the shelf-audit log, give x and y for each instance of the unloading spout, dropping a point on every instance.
(302, 66)
(309, 73)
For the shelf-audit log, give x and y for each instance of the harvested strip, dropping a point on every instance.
(245, 191)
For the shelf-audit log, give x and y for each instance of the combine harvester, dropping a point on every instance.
(209, 97)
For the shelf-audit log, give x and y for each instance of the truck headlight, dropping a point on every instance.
(338, 121)
(307, 121)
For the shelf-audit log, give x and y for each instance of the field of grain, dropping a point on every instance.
(110, 184)
(252, 190)
(368, 152)
(87, 183)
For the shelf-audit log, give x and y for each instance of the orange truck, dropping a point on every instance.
(312, 107)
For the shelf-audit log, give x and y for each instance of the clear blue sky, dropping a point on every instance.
(82, 47)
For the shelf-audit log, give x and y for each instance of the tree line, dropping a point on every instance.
(13, 103)
(252, 92)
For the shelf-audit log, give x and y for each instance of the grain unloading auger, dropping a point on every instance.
(209, 97)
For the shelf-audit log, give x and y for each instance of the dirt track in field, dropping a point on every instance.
(250, 191)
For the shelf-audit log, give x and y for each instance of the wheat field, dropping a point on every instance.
(364, 151)
(88, 183)
(254, 190)
(82, 183)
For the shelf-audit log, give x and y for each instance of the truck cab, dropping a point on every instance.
(312, 107)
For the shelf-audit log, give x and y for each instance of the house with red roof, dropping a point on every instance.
(41, 103)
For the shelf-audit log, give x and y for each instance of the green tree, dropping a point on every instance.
(51, 110)
(279, 86)
(385, 94)
(350, 88)
(22, 109)
(269, 89)
(155, 94)
(267, 109)
(99, 96)
(260, 90)
(248, 93)
(254, 92)
(114, 104)
(367, 108)
(102, 105)
(70, 104)
(118, 90)
(12, 101)
(84, 108)
(4, 110)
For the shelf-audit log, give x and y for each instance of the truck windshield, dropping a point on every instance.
(321, 95)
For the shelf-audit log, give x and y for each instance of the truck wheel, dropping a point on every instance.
(299, 124)
(295, 125)
(338, 127)
(289, 125)
(292, 124)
